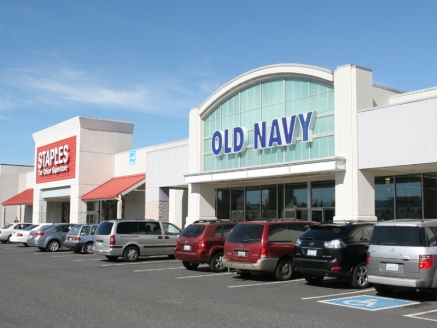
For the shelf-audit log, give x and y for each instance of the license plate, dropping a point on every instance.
(312, 252)
(31, 237)
(241, 253)
(99, 243)
(187, 247)
(392, 267)
(70, 239)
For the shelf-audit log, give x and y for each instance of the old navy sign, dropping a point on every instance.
(281, 132)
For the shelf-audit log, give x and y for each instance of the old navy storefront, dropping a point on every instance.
(303, 142)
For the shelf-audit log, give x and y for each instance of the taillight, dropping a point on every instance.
(202, 245)
(19, 234)
(0, 232)
(39, 234)
(336, 268)
(368, 258)
(264, 252)
(426, 262)
(112, 240)
(76, 238)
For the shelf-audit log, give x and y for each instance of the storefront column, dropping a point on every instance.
(3, 215)
(157, 200)
(119, 207)
(354, 190)
(201, 202)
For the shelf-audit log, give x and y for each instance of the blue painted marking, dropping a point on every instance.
(369, 303)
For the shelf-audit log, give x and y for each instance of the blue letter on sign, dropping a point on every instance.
(259, 135)
(217, 143)
(240, 139)
(307, 126)
(275, 134)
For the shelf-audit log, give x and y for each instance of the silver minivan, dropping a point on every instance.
(133, 238)
(403, 253)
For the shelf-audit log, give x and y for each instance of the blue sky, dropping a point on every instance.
(150, 62)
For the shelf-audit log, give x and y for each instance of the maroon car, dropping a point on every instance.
(264, 246)
(202, 242)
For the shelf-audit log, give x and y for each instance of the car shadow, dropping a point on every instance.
(410, 294)
(263, 276)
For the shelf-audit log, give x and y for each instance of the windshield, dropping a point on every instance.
(246, 233)
(193, 230)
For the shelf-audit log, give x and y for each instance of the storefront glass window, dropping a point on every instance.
(384, 198)
(323, 194)
(253, 203)
(430, 195)
(268, 202)
(237, 204)
(223, 204)
(408, 196)
(296, 195)
(108, 210)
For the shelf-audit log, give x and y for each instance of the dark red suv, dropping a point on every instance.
(264, 246)
(202, 242)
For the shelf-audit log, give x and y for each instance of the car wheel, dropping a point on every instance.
(111, 258)
(383, 289)
(359, 276)
(216, 264)
(53, 246)
(9, 239)
(284, 269)
(88, 248)
(131, 254)
(190, 265)
(25, 244)
(42, 249)
(313, 280)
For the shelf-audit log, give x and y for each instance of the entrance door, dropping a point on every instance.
(65, 212)
(323, 215)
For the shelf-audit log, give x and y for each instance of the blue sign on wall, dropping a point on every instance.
(369, 303)
(132, 157)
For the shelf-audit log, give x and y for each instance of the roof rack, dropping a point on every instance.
(211, 221)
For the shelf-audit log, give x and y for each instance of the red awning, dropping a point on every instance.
(23, 198)
(115, 187)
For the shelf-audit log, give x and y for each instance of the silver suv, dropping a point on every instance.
(403, 253)
(133, 238)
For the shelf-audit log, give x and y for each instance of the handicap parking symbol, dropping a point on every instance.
(369, 303)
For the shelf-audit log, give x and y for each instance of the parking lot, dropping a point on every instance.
(47, 289)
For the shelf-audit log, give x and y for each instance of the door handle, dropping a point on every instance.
(405, 258)
(167, 237)
(160, 237)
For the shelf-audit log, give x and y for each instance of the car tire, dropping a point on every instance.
(111, 258)
(359, 276)
(383, 289)
(190, 265)
(216, 264)
(9, 239)
(88, 248)
(284, 269)
(312, 279)
(131, 254)
(53, 246)
(42, 249)
(76, 251)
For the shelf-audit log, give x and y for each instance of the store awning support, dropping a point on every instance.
(119, 206)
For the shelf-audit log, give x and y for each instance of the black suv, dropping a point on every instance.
(202, 242)
(334, 250)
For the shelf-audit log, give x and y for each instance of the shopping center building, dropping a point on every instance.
(281, 141)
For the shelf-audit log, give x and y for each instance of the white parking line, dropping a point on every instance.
(322, 296)
(266, 283)
(87, 260)
(26, 250)
(132, 263)
(204, 275)
(158, 269)
(416, 315)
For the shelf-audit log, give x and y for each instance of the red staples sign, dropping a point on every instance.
(56, 161)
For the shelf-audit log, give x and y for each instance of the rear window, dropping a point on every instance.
(104, 228)
(399, 236)
(246, 233)
(7, 226)
(75, 230)
(326, 233)
(30, 227)
(47, 227)
(193, 230)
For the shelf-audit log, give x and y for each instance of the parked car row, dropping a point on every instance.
(401, 253)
